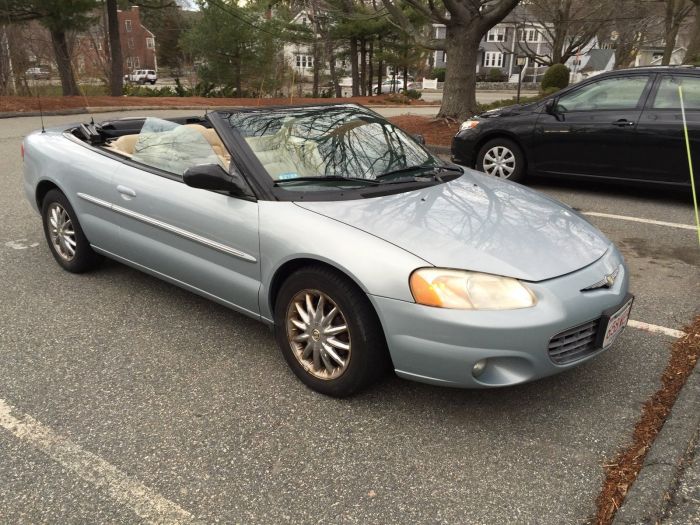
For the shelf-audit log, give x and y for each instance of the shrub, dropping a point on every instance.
(549, 91)
(496, 75)
(413, 94)
(439, 73)
(397, 98)
(556, 76)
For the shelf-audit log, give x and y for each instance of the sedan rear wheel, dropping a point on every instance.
(328, 332)
(502, 158)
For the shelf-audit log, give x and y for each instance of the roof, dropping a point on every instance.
(598, 59)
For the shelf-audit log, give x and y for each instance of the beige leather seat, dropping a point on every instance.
(214, 141)
(124, 145)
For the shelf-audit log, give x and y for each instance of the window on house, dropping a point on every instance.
(529, 35)
(444, 57)
(99, 46)
(127, 25)
(130, 43)
(150, 43)
(496, 34)
(493, 59)
(137, 62)
(304, 61)
(129, 62)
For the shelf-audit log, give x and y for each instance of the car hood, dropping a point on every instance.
(477, 223)
(508, 111)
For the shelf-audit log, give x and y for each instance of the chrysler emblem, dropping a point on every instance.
(605, 282)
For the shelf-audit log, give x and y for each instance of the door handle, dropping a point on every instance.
(127, 193)
(623, 122)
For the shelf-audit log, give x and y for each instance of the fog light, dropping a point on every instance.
(479, 368)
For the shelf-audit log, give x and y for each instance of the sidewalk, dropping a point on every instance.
(667, 489)
(684, 507)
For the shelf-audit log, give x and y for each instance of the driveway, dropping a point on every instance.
(123, 398)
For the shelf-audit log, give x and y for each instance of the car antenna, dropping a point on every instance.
(41, 111)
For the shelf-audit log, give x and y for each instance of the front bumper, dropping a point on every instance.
(463, 148)
(441, 346)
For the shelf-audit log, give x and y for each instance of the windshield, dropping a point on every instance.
(328, 146)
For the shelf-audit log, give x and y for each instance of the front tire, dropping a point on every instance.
(65, 237)
(328, 332)
(502, 158)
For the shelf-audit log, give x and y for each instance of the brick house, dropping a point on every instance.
(138, 43)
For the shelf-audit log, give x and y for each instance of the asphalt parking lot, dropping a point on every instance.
(125, 399)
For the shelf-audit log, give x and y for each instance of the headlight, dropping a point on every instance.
(469, 124)
(469, 290)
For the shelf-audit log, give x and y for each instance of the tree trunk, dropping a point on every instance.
(317, 68)
(63, 62)
(671, 27)
(237, 65)
(692, 56)
(380, 67)
(459, 94)
(354, 68)
(331, 67)
(371, 68)
(363, 66)
(116, 79)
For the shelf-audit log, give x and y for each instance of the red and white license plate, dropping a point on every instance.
(616, 324)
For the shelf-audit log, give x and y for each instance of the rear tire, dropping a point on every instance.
(339, 350)
(502, 158)
(65, 237)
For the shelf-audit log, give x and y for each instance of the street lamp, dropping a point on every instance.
(520, 62)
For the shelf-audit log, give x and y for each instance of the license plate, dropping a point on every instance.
(616, 324)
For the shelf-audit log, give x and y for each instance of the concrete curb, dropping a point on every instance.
(650, 493)
(111, 109)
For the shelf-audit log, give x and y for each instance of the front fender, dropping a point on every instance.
(288, 232)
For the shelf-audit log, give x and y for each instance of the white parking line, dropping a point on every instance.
(639, 219)
(145, 502)
(655, 329)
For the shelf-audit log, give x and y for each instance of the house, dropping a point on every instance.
(591, 63)
(137, 42)
(499, 48)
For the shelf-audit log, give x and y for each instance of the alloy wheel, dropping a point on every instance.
(61, 232)
(318, 334)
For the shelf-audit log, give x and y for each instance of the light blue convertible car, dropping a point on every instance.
(361, 249)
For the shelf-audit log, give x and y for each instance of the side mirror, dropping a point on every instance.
(214, 177)
(420, 139)
(551, 107)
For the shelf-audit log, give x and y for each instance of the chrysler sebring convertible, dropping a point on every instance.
(358, 247)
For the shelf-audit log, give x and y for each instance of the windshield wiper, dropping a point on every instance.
(428, 170)
(326, 178)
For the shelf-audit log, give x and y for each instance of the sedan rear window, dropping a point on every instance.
(667, 96)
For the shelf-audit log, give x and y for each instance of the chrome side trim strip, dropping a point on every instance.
(169, 228)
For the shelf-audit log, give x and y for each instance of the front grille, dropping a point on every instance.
(574, 344)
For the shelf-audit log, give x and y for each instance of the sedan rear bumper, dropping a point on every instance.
(441, 346)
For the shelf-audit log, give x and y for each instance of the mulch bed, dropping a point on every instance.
(20, 104)
(623, 470)
(437, 132)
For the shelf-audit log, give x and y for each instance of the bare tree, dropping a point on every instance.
(676, 13)
(466, 23)
(692, 55)
(633, 25)
(116, 79)
(567, 25)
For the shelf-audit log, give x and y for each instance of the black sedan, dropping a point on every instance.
(624, 124)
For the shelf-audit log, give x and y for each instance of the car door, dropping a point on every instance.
(662, 152)
(590, 130)
(204, 240)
